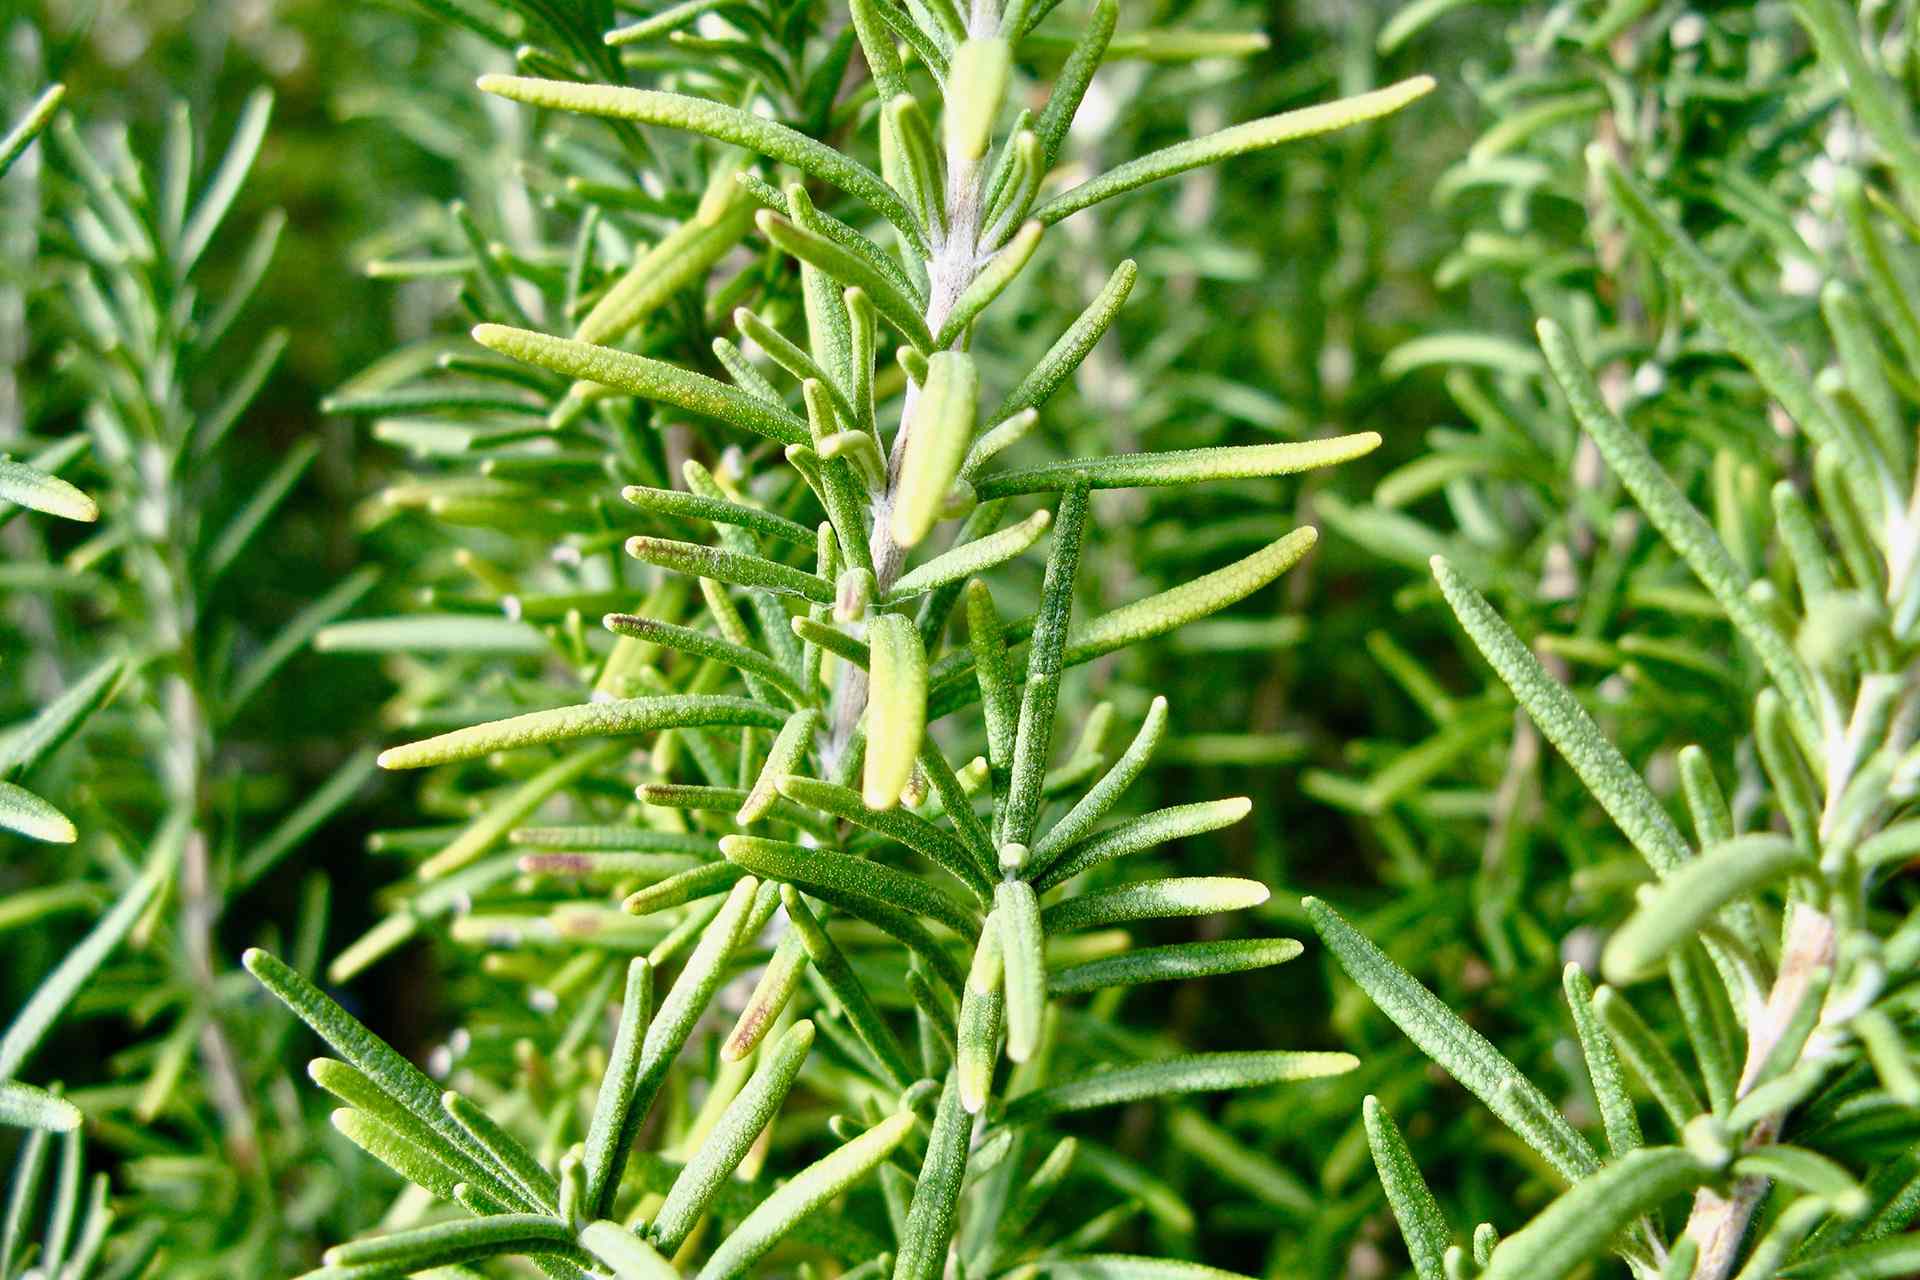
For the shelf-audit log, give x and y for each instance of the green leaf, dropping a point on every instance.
(1648, 1057)
(666, 1033)
(902, 825)
(991, 280)
(651, 379)
(27, 814)
(78, 965)
(588, 720)
(936, 1195)
(969, 558)
(789, 748)
(1592, 1214)
(1809, 1171)
(1033, 734)
(1414, 1208)
(380, 1141)
(738, 568)
(658, 24)
(1118, 1266)
(224, 186)
(431, 1159)
(508, 811)
(1256, 135)
(811, 1188)
(399, 1079)
(1093, 806)
(727, 1144)
(678, 890)
(1154, 900)
(1617, 1113)
(1682, 526)
(1708, 288)
(679, 259)
(977, 1031)
(1877, 1260)
(1192, 1073)
(836, 877)
(630, 1257)
(1070, 85)
(1877, 104)
(688, 640)
(505, 1151)
(723, 124)
(1173, 608)
(1565, 723)
(1137, 834)
(445, 1243)
(1185, 466)
(945, 415)
(896, 708)
(17, 140)
(1017, 913)
(431, 633)
(863, 1015)
(27, 745)
(1682, 904)
(27, 1107)
(976, 85)
(694, 506)
(42, 492)
(1175, 962)
(851, 270)
(1461, 1051)
(1065, 355)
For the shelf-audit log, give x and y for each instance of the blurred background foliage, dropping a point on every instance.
(1382, 279)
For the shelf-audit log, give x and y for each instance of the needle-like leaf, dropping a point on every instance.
(588, 720)
(647, 378)
(1566, 724)
(727, 1145)
(1256, 135)
(1187, 466)
(1461, 1051)
(1414, 1207)
(1195, 1073)
(722, 123)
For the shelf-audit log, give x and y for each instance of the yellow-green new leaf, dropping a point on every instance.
(944, 417)
(1016, 913)
(1185, 466)
(896, 708)
(34, 488)
(587, 720)
(648, 378)
(976, 86)
(27, 814)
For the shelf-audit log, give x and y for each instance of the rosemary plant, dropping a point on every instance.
(134, 380)
(901, 923)
(1783, 948)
